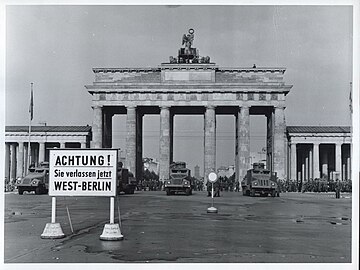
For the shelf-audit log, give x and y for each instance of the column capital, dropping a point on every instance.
(97, 106)
(210, 107)
(130, 107)
(164, 107)
(280, 107)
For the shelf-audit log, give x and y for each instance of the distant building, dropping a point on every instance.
(226, 171)
(151, 164)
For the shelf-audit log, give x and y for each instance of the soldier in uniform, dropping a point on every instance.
(337, 189)
(217, 189)
(208, 188)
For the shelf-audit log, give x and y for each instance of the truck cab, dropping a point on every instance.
(36, 180)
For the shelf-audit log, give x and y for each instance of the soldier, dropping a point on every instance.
(217, 189)
(237, 187)
(208, 188)
(337, 189)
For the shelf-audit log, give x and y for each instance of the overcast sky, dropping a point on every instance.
(56, 47)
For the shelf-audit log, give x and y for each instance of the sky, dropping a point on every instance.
(56, 47)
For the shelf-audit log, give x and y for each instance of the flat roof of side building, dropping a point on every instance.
(318, 129)
(69, 129)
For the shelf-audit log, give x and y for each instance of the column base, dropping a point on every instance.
(111, 232)
(52, 231)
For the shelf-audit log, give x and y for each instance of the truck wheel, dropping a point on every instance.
(20, 191)
(277, 194)
(187, 191)
(38, 191)
(168, 193)
(273, 193)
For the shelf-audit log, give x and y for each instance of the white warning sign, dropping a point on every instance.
(82, 172)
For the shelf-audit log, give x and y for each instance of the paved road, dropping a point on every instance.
(158, 228)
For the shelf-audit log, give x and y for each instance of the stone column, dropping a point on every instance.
(41, 152)
(269, 141)
(164, 150)
(237, 166)
(324, 160)
(316, 161)
(7, 161)
(338, 159)
(26, 158)
(306, 165)
(303, 168)
(209, 142)
(97, 127)
(62, 145)
(293, 161)
(20, 160)
(13, 162)
(279, 151)
(130, 158)
(311, 166)
(244, 141)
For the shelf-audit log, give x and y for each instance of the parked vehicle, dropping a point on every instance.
(36, 180)
(126, 182)
(259, 180)
(180, 180)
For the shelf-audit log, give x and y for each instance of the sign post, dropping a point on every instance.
(83, 172)
(212, 179)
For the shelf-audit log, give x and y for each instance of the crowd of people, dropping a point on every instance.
(315, 185)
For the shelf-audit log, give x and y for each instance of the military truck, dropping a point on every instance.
(36, 180)
(259, 180)
(180, 180)
(126, 182)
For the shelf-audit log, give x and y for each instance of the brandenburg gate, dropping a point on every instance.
(191, 84)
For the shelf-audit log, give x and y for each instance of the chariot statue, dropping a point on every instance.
(188, 54)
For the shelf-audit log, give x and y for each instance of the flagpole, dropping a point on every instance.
(30, 119)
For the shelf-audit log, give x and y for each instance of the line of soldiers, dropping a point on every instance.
(149, 185)
(315, 185)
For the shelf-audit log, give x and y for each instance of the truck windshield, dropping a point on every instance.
(178, 175)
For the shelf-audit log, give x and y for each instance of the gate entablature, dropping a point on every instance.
(207, 73)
